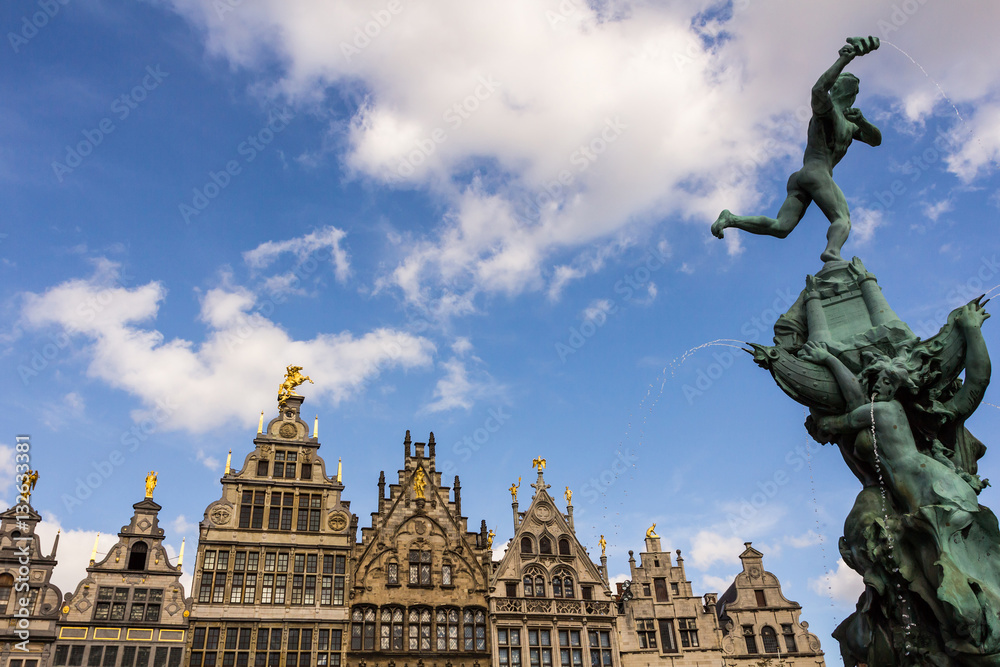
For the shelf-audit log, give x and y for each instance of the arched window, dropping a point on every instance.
(363, 628)
(137, 557)
(564, 547)
(420, 629)
(6, 586)
(474, 629)
(391, 630)
(769, 638)
(562, 585)
(526, 545)
(392, 573)
(447, 629)
(529, 586)
(567, 586)
(539, 587)
(545, 546)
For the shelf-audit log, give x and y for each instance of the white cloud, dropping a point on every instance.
(75, 547)
(181, 526)
(807, 539)
(186, 385)
(864, 222)
(842, 585)
(459, 388)
(209, 462)
(711, 583)
(709, 547)
(303, 247)
(461, 346)
(7, 471)
(937, 209)
(598, 308)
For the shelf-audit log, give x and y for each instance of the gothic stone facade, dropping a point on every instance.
(131, 608)
(420, 577)
(550, 604)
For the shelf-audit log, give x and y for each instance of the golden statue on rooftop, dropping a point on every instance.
(604, 544)
(514, 488)
(293, 378)
(538, 463)
(30, 478)
(150, 483)
(569, 496)
(652, 531)
(489, 538)
(419, 483)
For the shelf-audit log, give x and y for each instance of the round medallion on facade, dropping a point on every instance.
(288, 431)
(755, 572)
(543, 512)
(338, 521)
(220, 515)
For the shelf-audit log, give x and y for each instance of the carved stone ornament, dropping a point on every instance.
(220, 515)
(543, 512)
(754, 572)
(144, 524)
(288, 431)
(420, 527)
(265, 449)
(338, 521)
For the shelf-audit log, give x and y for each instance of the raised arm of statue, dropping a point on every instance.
(969, 321)
(856, 46)
(849, 385)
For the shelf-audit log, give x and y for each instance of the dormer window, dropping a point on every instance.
(526, 546)
(137, 557)
(564, 547)
(545, 546)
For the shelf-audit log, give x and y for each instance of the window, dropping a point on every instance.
(600, 648)
(297, 589)
(688, 631)
(761, 600)
(76, 655)
(392, 574)
(363, 628)
(299, 561)
(511, 589)
(269, 561)
(315, 505)
(102, 610)
(647, 632)
(302, 523)
(137, 557)
(290, 458)
(338, 580)
(563, 547)
(750, 639)
(267, 589)
(675, 589)
(280, 586)
(570, 649)
(246, 509)
(236, 593)
(219, 587)
(562, 586)
(540, 647)
(769, 638)
(567, 587)
(587, 592)
(446, 575)
(306, 471)
(240, 561)
(529, 586)
(789, 633)
(391, 629)
(660, 586)
(420, 629)
(646, 590)
(420, 568)
(111, 656)
(279, 464)
(509, 647)
(95, 655)
(526, 545)
(6, 586)
(309, 593)
(447, 629)
(474, 629)
(250, 590)
(263, 466)
(286, 511)
(545, 546)
(668, 644)
(326, 590)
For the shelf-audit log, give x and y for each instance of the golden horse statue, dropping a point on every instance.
(293, 378)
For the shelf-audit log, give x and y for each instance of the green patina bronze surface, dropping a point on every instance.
(896, 407)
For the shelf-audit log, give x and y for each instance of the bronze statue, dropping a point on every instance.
(834, 125)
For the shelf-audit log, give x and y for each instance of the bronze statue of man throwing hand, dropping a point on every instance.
(834, 125)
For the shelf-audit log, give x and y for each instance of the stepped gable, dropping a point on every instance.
(285, 437)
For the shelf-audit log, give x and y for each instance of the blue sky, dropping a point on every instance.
(459, 215)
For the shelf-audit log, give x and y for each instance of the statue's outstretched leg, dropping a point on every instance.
(789, 215)
(830, 199)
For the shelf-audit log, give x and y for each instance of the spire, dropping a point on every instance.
(430, 444)
(180, 558)
(340, 469)
(55, 545)
(93, 554)
(458, 497)
(406, 443)
(260, 424)
(229, 461)
(316, 428)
